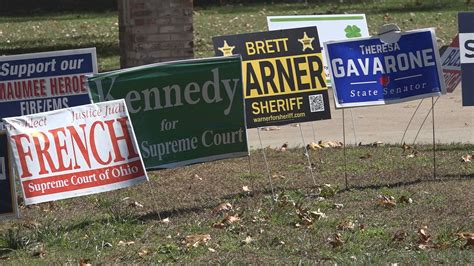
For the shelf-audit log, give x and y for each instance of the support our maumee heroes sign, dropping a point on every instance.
(283, 75)
(75, 151)
(40, 82)
(466, 45)
(368, 71)
(183, 112)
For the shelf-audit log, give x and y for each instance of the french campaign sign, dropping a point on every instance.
(40, 82)
(76, 151)
(368, 71)
(466, 44)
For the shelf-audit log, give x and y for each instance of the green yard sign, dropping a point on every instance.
(183, 112)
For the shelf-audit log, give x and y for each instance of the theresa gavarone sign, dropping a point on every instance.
(40, 82)
(75, 151)
(8, 204)
(466, 44)
(284, 79)
(184, 112)
(368, 71)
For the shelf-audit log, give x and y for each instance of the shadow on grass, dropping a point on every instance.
(445, 178)
(176, 212)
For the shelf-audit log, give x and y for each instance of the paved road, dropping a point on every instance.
(453, 123)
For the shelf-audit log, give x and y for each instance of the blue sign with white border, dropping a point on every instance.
(368, 71)
(40, 82)
(466, 45)
(8, 203)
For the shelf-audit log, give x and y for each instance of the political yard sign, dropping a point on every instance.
(39, 82)
(75, 151)
(184, 112)
(368, 71)
(283, 75)
(466, 44)
(451, 64)
(8, 204)
(330, 27)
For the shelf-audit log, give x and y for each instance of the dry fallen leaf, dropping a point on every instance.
(283, 147)
(212, 250)
(276, 176)
(399, 235)
(313, 146)
(317, 214)
(469, 237)
(405, 199)
(247, 240)
(406, 147)
(338, 206)
(136, 204)
(346, 225)
(466, 158)
(424, 238)
(85, 262)
(246, 188)
(196, 240)
(197, 177)
(38, 251)
(123, 243)
(228, 220)
(366, 156)
(223, 207)
(336, 240)
(166, 220)
(143, 252)
(330, 144)
(385, 201)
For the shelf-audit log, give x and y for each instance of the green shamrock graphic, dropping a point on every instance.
(352, 31)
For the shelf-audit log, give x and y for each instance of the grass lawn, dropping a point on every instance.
(152, 223)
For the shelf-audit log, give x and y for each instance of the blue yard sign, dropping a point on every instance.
(466, 45)
(368, 71)
(8, 203)
(40, 82)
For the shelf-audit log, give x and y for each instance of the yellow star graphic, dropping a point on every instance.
(226, 49)
(306, 42)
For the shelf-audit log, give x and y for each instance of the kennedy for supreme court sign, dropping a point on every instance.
(184, 112)
(283, 74)
(39, 82)
(466, 44)
(75, 151)
(368, 71)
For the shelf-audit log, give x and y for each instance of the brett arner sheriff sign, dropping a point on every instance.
(368, 71)
(283, 74)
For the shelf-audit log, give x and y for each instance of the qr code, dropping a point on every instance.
(316, 103)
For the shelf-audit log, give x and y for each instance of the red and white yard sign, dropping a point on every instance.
(76, 151)
(451, 65)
